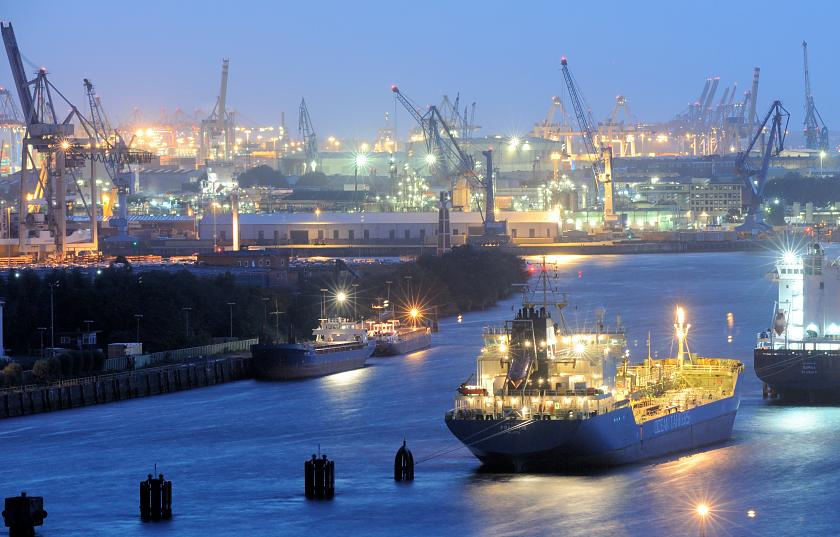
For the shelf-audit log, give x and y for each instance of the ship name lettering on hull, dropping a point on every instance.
(670, 422)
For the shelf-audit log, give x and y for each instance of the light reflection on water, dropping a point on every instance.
(235, 451)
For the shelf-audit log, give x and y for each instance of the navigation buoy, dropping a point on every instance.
(404, 464)
(319, 478)
(22, 513)
(155, 499)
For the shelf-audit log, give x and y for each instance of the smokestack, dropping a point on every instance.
(234, 219)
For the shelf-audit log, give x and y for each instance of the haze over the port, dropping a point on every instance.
(343, 56)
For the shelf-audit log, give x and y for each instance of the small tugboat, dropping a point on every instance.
(548, 398)
(338, 345)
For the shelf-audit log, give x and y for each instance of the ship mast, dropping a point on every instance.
(681, 329)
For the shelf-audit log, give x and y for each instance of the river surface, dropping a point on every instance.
(235, 452)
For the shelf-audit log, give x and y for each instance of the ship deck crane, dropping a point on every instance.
(601, 156)
(310, 140)
(755, 178)
(455, 164)
(816, 133)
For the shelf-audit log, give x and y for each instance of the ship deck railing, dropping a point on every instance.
(322, 348)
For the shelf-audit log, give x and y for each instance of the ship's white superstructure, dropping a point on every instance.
(807, 313)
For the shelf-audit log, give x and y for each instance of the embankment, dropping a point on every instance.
(100, 389)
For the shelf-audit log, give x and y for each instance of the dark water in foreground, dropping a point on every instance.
(235, 452)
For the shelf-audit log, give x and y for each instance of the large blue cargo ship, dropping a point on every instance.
(546, 399)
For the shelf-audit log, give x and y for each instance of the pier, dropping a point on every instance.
(107, 388)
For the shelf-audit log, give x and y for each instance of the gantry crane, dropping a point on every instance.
(601, 155)
(455, 166)
(310, 140)
(49, 147)
(755, 179)
(816, 133)
(219, 125)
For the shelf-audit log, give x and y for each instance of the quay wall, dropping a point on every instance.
(100, 389)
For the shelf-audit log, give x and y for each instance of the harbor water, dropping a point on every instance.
(235, 452)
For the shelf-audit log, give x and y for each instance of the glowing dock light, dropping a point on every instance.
(751, 513)
(580, 348)
(430, 159)
(340, 297)
(502, 346)
(702, 510)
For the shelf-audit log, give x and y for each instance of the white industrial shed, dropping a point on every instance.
(369, 227)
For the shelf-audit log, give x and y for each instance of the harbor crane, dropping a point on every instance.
(455, 166)
(310, 140)
(49, 148)
(755, 178)
(816, 133)
(216, 140)
(601, 155)
(109, 147)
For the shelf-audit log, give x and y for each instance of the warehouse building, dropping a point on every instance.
(267, 229)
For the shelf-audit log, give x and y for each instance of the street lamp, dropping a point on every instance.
(187, 310)
(138, 316)
(41, 330)
(88, 322)
(265, 300)
(231, 305)
(52, 285)
(355, 300)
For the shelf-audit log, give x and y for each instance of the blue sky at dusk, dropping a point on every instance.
(343, 56)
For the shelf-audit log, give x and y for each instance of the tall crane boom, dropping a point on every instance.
(440, 142)
(16, 64)
(222, 111)
(816, 133)
(445, 151)
(601, 156)
(755, 179)
(307, 134)
(584, 119)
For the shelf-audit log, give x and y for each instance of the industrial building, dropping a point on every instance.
(325, 228)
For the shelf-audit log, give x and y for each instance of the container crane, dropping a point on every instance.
(42, 151)
(755, 179)
(601, 156)
(455, 166)
(108, 147)
(816, 133)
(219, 125)
(310, 140)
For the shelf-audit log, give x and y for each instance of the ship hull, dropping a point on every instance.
(296, 361)
(811, 376)
(609, 439)
(404, 346)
